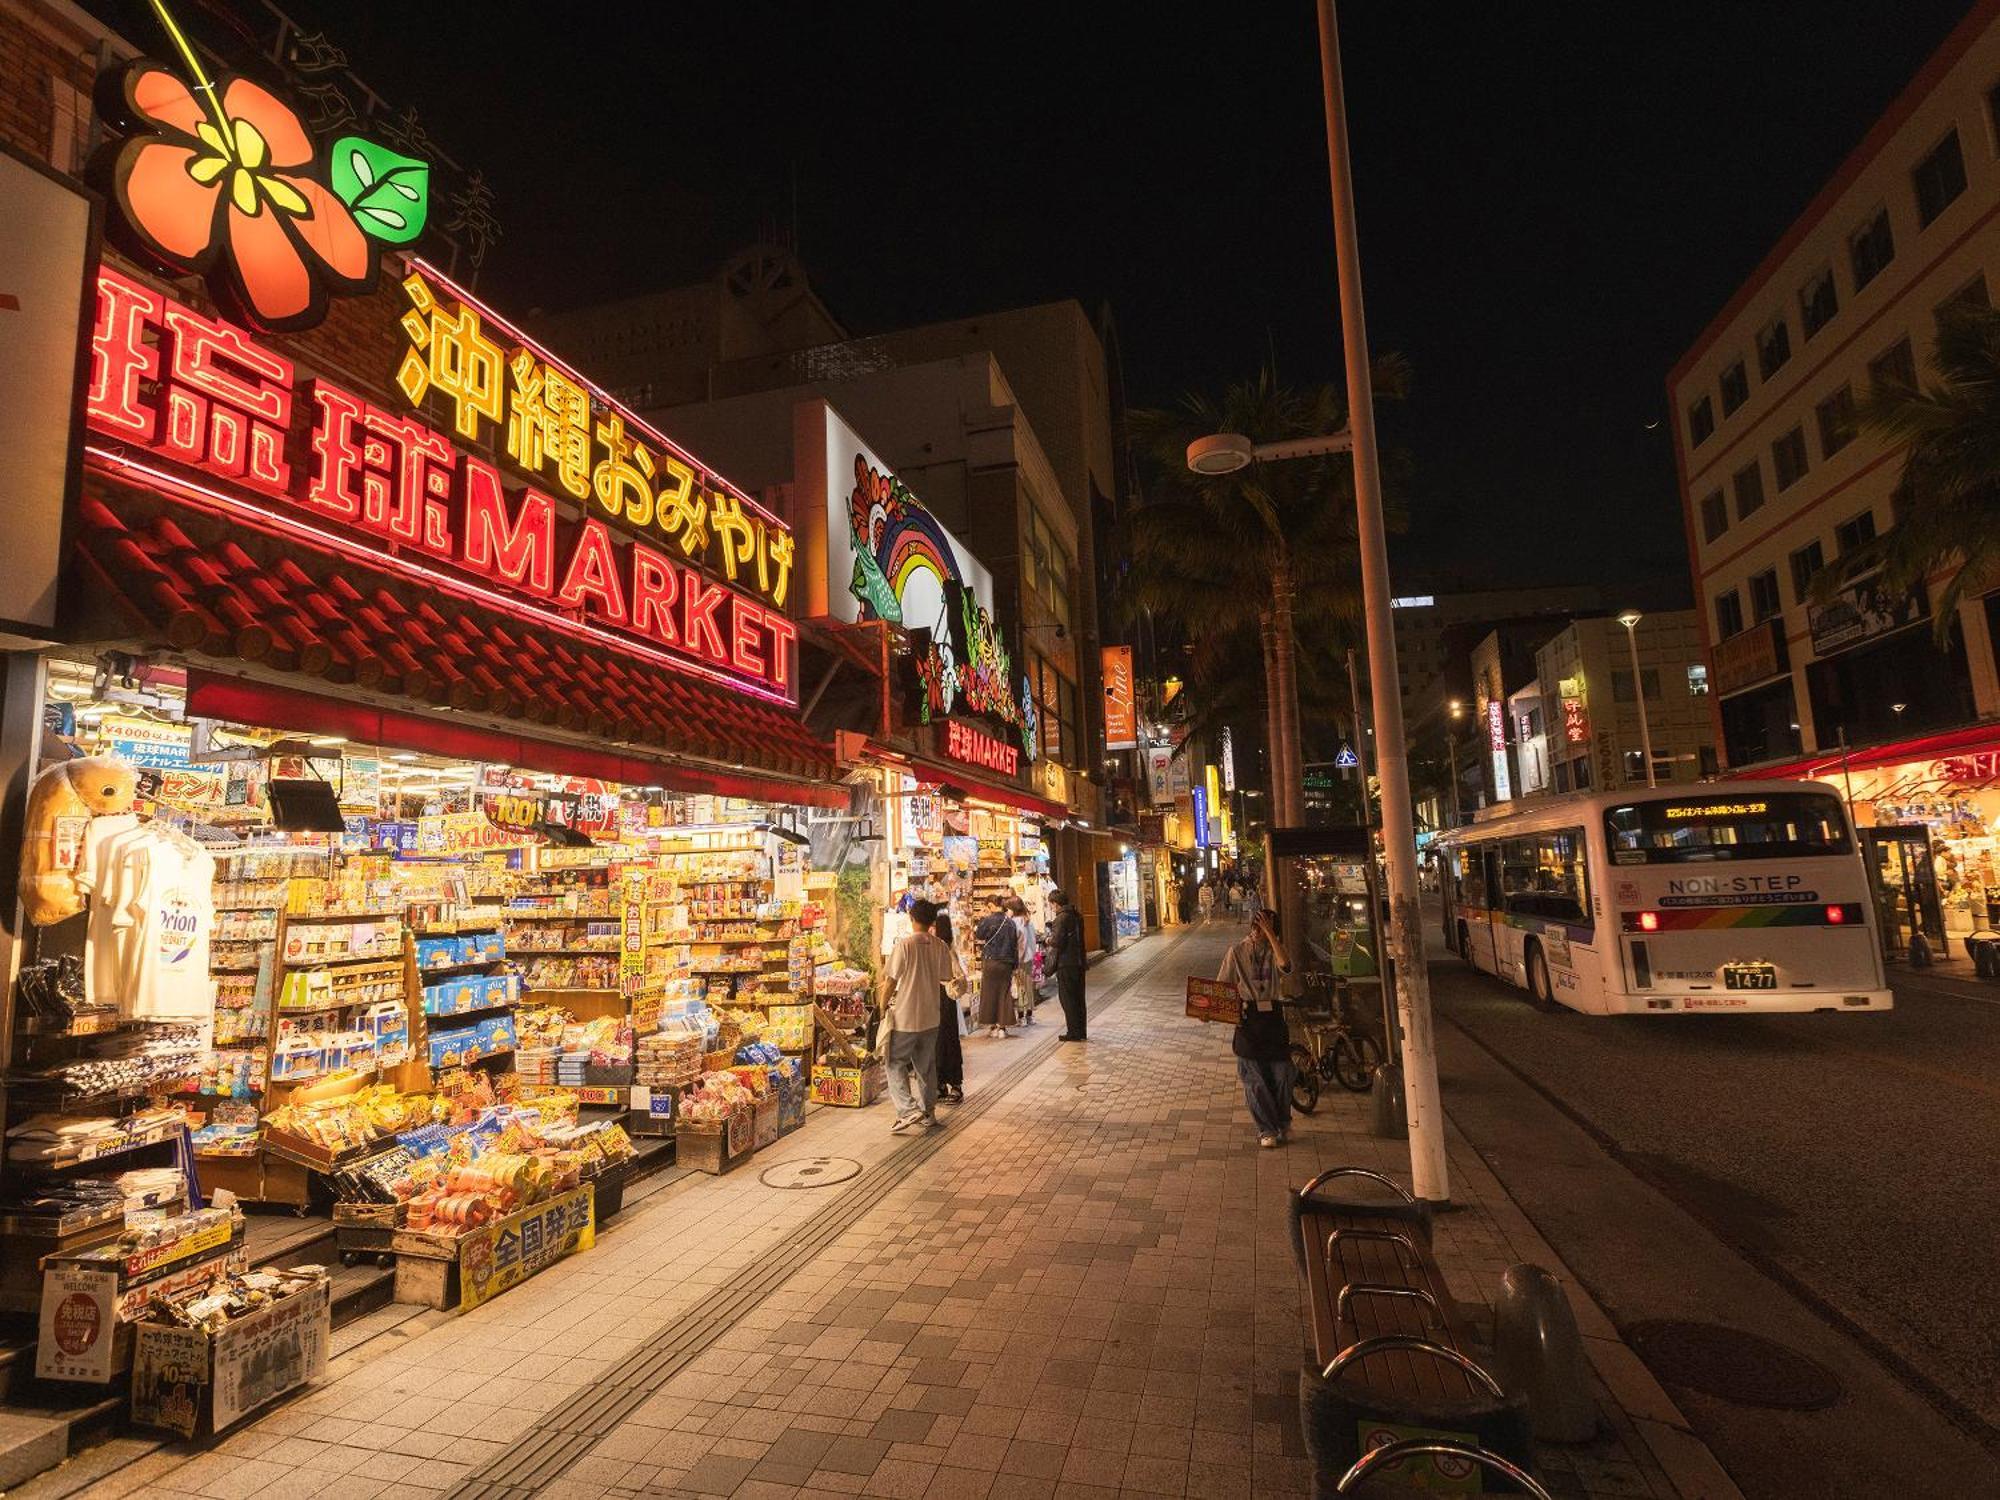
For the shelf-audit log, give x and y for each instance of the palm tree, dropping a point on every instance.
(1260, 554)
(1947, 501)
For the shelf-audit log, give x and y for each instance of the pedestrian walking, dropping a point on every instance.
(1024, 962)
(1066, 952)
(1206, 899)
(950, 1054)
(919, 968)
(1262, 1045)
(997, 942)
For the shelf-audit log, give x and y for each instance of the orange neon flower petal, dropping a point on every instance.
(162, 98)
(274, 278)
(169, 205)
(284, 137)
(330, 232)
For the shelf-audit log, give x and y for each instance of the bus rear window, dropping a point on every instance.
(1774, 825)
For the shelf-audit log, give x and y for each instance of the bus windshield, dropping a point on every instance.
(1770, 825)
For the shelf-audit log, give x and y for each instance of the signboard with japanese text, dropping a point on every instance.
(1576, 722)
(263, 1355)
(1200, 796)
(972, 746)
(1750, 656)
(1121, 713)
(1160, 774)
(508, 1251)
(193, 408)
(1213, 1000)
(1862, 611)
(78, 1336)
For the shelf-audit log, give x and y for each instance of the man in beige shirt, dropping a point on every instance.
(919, 967)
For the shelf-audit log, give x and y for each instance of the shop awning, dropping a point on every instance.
(202, 586)
(1965, 741)
(964, 781)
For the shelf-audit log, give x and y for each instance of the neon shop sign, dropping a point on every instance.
(975, 747)
(394, 494)
(560, 431)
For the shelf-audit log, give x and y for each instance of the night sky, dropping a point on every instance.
(1553, 198)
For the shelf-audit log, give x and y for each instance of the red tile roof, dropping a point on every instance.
(199, 584)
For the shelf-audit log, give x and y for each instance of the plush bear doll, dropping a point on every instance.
(61, 803)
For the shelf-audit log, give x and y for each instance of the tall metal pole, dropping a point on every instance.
(1639, 692)
(1451, 749)
(1429, 1176)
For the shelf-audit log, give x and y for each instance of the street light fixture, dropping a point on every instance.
(1227, 452)
(1630, 620)
(1451, 749)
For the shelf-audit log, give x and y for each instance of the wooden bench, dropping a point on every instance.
(1389, 1358)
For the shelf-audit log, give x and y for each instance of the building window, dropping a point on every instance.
(1709, 765)
(1818, 302)
(1582, 774)
(1764, 601)
(1806, 563)
(1635, 765)
(1836, 421)
(1701, 422)
(1871, 248)
(1728, 615)
(1788, 458)
(1056, 702)
(1562, 776)
(1894, 369)
(1714, 516)
(1971, 295)
(1856, 532)
(1045, 568)
(1621, 684)
(1774, 347)
(1939, 178)
(1735, 387)
(69, 126)
(1698, 680)
(1749, 487)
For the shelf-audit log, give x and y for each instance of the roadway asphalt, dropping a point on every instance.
(1850, 1157)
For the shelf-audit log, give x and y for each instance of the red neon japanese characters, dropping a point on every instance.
(185, 387)
(976, 748)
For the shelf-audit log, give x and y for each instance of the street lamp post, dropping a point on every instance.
(1630, 620)
(1451, 750)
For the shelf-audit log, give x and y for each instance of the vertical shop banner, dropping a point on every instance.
(1217, 810)
(1200, 797)
(1228, 760)
(1160, 774)
(46, 247)
(1121, 712)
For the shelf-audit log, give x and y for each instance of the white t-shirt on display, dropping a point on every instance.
(167, 913)
(103, 959)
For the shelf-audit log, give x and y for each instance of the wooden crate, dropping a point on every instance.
(714, 1147)
(764, 1123)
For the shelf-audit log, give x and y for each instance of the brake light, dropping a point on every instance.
(1836, 915)
(1649, 921)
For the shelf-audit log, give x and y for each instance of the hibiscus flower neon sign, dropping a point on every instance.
(219, 178)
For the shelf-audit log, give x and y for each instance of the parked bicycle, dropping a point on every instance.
(1331, 1049)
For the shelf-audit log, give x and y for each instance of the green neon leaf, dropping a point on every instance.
(388, 194)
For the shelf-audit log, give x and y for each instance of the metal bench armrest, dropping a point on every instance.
(1353, 1354)
(1355, 1289)
(1395, 1453)
(1389, 1236)
(1327, 1176)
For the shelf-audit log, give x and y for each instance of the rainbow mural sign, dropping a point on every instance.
(889, 558)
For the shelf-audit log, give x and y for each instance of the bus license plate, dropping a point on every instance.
(1749, 976)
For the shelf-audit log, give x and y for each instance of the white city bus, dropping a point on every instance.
(1738, 896)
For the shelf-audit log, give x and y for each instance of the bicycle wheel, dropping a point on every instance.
(1305, 1080)
(1354, 1059)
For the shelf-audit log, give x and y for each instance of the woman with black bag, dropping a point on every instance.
(950, 1055)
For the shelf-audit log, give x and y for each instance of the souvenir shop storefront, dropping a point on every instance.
(1928, 814)
(422, 828)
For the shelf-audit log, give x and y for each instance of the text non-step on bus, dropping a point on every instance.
(1739, 896)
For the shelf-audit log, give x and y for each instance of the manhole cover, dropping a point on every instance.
(1733, 1365)
(810, 1172)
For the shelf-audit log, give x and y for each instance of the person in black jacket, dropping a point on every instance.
(1066, 952)
(1262, 1042)
(950, 1055)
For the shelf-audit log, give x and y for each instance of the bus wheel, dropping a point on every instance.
(1540, 993)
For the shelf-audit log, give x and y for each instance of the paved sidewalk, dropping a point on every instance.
(1081, 1287)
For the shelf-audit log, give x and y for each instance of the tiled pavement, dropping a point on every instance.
(1081, 1288)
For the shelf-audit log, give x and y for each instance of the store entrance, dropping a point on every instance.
(1905, 885)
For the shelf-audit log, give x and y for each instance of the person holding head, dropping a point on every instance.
(919, 968)
(1262, 1044)
(997, 941)
(1066, 953)
(950, 1055)
(1024, 962)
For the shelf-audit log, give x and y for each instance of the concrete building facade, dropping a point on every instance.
(1588, 727)
(1778, 478)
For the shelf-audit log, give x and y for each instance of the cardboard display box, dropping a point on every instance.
(188, 1381)
(850, 1087)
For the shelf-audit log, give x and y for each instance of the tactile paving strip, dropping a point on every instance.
(570, 1431)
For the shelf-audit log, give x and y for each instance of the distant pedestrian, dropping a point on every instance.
(919, 968)
(997, 941)
(1206, 899)
(1024, 962)
(1262, 1045)
(950, 1055)
(1185, 896)
(1066, 952)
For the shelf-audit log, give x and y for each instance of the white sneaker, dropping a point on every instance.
(905, 1122)
(1268, 1142)
(932, 1122)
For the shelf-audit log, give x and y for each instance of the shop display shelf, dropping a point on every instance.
(99, 1025)
(469, 1010)
(391, 957)
(476, 963)
(108, 1145)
